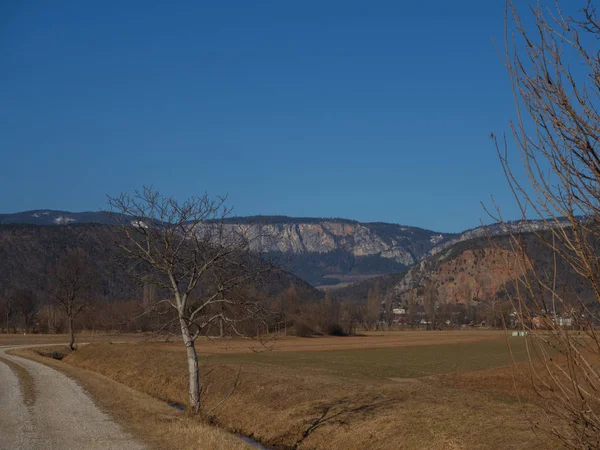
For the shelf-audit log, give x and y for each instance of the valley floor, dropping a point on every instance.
(397, 390)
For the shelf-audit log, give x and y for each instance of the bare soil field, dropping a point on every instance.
(380, 391)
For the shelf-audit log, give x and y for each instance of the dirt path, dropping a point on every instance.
(40, 408)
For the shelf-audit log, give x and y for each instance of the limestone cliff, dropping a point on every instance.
(473, 273)
(484, 270)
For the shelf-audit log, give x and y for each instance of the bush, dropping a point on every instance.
(54, 353)
(336, 329)
(303, 328)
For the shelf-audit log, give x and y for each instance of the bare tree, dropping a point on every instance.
(70, 285)
(8, 310)
(327, 313)
(373, 307)
(188, 249)
(430, 302)
(288, 306)
(555, 72)
(389, 310)
(465, 292)
(350, 316)
(25, 301)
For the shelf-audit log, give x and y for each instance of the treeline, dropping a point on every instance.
(28, 311)
(333, 315)
(372, 305)
(287, 312)
(24, 311)
(113, 294)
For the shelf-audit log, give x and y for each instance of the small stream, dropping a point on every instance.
(251, 442)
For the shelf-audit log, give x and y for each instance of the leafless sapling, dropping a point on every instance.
(70, 284)
(190, 250)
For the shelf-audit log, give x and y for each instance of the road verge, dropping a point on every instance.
(148, 419)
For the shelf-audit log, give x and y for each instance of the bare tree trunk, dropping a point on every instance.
(186, 245)
(71, 333)
(192, 358)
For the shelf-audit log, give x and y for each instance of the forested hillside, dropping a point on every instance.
(28, 253)
(315, 249)
(484, 271)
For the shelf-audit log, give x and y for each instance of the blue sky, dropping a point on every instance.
(376, 111)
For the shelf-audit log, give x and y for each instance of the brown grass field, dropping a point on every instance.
(36, 339)
(399, 390)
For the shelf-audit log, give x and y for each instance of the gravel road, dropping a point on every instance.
(60, 415)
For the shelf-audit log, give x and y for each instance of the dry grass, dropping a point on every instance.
(380, 339)
(368, 340)
(148, 419)
(315, 405)
(513, 380)
(37, 339)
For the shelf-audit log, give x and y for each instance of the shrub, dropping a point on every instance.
(335, 329)
(303, 328)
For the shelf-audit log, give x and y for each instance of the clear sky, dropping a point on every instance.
(375, 111)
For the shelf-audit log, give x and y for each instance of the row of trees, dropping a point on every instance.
(25, 311)
(29, 311)
(338, 315)
(331, 316)
(18, 310)
(65, 297)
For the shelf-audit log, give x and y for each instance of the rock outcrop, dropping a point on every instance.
(402, 244)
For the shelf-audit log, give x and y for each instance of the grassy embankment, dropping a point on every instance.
(421, 390)
(148, 419)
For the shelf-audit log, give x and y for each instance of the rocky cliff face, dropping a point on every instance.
(456, 277)
(325, 250)
(483, 271)
(330, 251)
(317, 249)
(404, 245)
(497, 229)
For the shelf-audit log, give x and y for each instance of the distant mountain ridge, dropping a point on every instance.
(54, 217)
(28, 251)
(319, 250)
(322, 251)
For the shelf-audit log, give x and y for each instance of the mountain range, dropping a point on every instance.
(347, 257)
(28, 253)
(322, 251)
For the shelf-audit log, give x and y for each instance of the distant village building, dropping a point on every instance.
(561, 321)
(564, 321)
